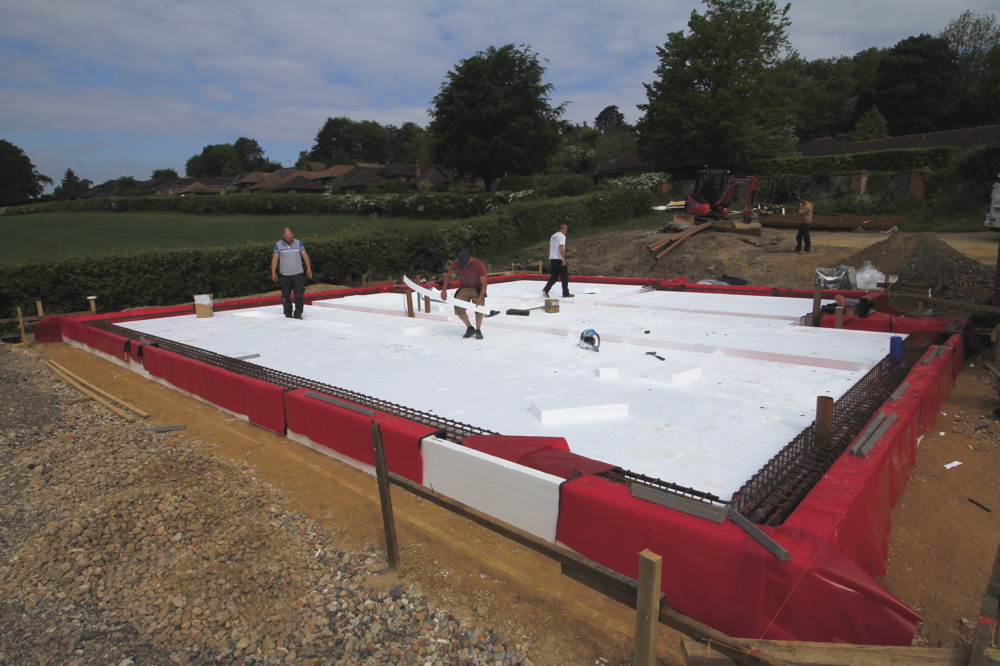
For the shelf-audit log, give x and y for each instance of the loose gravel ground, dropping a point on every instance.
(122, 546)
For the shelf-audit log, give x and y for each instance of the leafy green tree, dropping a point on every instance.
(409, 145)
(19, 180)
(229, 159)
(126, 183)
(214, 160)
(610, 120)
(871, 125)
(68, 186)
(345, 141)
(492, 116)
(818, 93)
(916, 85)
(973, 36)
(164, 173)
(719, 96)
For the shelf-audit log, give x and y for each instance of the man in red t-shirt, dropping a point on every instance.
(472, 288)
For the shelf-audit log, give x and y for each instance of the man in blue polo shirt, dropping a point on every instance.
(286, 270)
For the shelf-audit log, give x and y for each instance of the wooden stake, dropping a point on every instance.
(824, 417)
(427, 304)
(817, 306)
(838, 317)
(93, 303)
(539, 266)
(385, 498)
(38, 306)
(20, 322)
(409, 303)
(647, 608)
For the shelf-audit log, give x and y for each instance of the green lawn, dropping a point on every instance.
(55, 235)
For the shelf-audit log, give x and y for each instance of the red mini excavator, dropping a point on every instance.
(713, 190)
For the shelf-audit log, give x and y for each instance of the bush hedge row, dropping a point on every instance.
(170, 277)
(434, 206)
(882, 160)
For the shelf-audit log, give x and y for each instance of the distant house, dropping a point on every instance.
(300, 185)
(198, 188)
(619, 166)
(431, 174)
(361, 180)
(966, 139)
(174, 185)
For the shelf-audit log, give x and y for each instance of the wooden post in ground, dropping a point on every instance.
(93, 303)
(539, 266)
(427, 304)
(838, 317)
(824, 417)
(385, 498)
(409, 303)
(38, 306)
(817, 306)
(647, 608)
(20, 322)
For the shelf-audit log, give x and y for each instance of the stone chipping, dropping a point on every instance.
(122, 546)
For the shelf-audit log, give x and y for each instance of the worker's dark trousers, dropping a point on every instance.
(558, 270)
(802, 238)
(289, 284)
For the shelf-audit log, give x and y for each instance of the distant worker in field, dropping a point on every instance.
(472, 288)
(558, 268)
(287, 270)
(802, 239)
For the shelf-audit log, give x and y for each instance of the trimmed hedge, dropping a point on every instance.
(170, 277)
(882, 160)
(434, 206)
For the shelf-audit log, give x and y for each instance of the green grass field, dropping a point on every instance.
(54, 235)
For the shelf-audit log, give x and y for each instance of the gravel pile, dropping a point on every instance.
(121, 546)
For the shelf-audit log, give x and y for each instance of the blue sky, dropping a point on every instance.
(111, 88)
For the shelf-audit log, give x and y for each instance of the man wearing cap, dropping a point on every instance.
(472, 288)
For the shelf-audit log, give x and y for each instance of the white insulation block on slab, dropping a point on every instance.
(608, 372)
(518, 495)
(557, 410)
(675, 373)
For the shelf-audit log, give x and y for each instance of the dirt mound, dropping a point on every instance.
(834, 222)
(918, 259)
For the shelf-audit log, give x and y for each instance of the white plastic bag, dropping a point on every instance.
(869, 277)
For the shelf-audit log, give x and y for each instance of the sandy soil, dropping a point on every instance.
(941, 548)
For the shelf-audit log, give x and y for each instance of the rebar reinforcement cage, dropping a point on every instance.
(768, 498)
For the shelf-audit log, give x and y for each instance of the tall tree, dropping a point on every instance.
(70, 185)
(164, 173)
(229, 159)
(718, 96)
(345, 141)
(818, 95)
(408, 144)
(916, 85)
(492, 116)
(19, 180)
(973, 36)
(610, 119)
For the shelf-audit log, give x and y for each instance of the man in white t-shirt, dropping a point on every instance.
(558, 268)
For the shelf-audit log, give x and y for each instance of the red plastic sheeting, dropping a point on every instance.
(260, 402)
(546, 454)
(840, 534)
(49, 329)
(349, 433)
(718, 575)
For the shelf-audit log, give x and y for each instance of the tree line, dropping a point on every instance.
(728, 91)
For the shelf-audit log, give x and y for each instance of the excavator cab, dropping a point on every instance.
(706, 200)
(714, 189)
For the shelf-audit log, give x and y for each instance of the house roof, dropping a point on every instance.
(432, 174)
(363, 178)
(336, 171)
(968, 138)
(300, 183)
(399, 170)
(198, 188)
